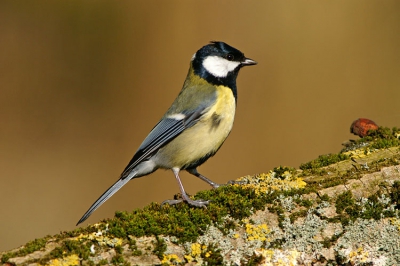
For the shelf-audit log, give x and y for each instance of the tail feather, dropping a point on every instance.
(103, 198)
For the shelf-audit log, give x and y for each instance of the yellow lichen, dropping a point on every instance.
(278, 258)
(359, 153)
(66, 261)
(266, 182)
(196, 249)
(101, 237)
(359, 255)
(257, 232)
(195, 254)
(395, 222)
(171, 259)
(188, 258)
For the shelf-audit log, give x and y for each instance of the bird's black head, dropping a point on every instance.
(219, 63)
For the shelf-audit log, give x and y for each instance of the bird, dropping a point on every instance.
(194, 127)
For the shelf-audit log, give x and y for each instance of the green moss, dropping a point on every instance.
(293, 216)
(159, 247)
(374, 207)
(78, 248)
(343, 201)
(382, 138)
(323, 160)
(152, 220)
(254, 260)
(329, 242)
(279, 211)
(277, 243)
(118, 259)
(68, 247)
(324, 197)
(183, 221)
(226, 226)
(55, 253)
(212, 256)
(6, 257)
(395, 194)
(118, 249)
(282, 172)
(304, 202)
(335, 177)
(28, 248)
(132, 245)
(103, 262)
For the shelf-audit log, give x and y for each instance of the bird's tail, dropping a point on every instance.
(106, 195)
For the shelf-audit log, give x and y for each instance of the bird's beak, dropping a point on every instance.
(248, 62)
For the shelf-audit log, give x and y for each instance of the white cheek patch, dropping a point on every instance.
(218, 66)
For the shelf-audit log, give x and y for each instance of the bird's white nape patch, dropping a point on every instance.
(193, 57)
(218, 66)
(177, 116)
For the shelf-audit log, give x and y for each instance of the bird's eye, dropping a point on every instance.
(230, 57)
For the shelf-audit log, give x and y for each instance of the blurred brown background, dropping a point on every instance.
(82, 83)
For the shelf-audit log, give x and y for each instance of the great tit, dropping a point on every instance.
(194, 127)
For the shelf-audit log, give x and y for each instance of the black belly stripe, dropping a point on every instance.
(215, 121)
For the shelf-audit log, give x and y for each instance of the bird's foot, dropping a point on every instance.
(197, 203)
(215, 185)
(171, 202)
(233, 182)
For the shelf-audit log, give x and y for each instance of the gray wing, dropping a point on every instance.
(165, 131)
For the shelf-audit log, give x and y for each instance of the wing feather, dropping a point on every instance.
(165, 131)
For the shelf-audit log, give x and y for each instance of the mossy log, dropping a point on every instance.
(340, 209)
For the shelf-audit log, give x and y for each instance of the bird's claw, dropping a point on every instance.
(233, 182)
(171, 202)
(197, 203)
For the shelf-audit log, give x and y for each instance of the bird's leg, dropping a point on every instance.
(213, 184)
(194, 172)
(185, 197)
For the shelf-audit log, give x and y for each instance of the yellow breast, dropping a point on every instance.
(205, 137)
